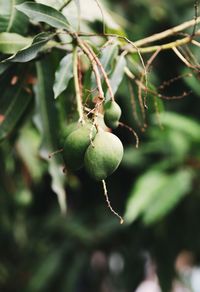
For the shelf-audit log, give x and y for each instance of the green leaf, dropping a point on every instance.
(46, 120)
(27, 147)
(107, 55)
(175, 188)
(30, 52)
(181, 123)
(14, 110)
(156, 193)
(48, 267)
(63, 75)
(12, 20)
(191, 79)
(90, 12)
(40, 12)
(117, 74)
(145, 190)
(11, 43)
(4, 67)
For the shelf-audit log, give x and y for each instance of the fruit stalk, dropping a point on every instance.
(94, 67)
(108, 202)
(77, 86)
(102, 71)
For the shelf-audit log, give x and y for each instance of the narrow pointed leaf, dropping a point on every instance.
(4, 67)
(107, 56)
(14, 111)
(117, 74)
(175, 188)
(63, 75)
(12, 20)
(183, 124)
(30, 52)
(46, 120)
(143, 194)
(43, 13)
(11, 43)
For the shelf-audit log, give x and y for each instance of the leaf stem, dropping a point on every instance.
(102, 71)
(77, 85)
(94, 66)
(109, 204)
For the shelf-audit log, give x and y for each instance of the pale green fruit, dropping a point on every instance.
(104, 156)
(76, 144)
(112, 114)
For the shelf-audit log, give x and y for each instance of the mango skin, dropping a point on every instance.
(71, 128)
(104, 156)
(68, 130)
(112, 114)
(75, 146)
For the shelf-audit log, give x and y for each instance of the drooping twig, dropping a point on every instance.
(109, 204)
(183, 59)
(94, 66)
(77, 86)
(133, 132)
(102, 71)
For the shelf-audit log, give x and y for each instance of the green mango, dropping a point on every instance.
(112, 114)
(70, 128)
(76, 144)
(104, 156)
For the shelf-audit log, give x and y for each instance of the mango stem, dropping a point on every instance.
(77, 86)
(109, 204)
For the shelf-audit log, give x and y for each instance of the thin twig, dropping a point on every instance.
(183, 59)
(161, 95)
(77, 86)
(102, 70)
(109, 204)
(167, 83)
(164, 34)
(195, 43)
(103, 19)
(133, 132)
(54, 153)
(94, 67)
(64, 5)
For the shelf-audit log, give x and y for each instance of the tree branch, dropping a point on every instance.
(166, 46)
(171, 31)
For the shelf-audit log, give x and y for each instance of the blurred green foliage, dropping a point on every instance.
(157, 186)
